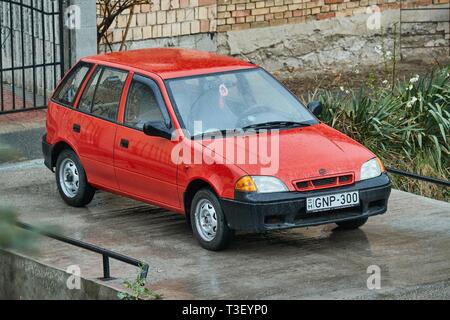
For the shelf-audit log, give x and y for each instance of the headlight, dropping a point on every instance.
(371, 169)
(260, 184)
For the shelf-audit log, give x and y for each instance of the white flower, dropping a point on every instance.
(357, 71)
(347, 91)
(342, 88)
(385, 82)
(378, 50)
(411, 102)
(414, 79)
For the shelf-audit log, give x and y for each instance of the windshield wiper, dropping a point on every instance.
(216, 133)
(277, 124)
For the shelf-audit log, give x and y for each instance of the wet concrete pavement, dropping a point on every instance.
(411, 245)
(26, 143)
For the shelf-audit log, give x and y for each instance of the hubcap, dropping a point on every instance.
(206, 220)
(69, 179)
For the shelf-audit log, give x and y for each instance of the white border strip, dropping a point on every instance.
(32, 164)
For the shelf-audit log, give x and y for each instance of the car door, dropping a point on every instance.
(144, 166)
(95, 125)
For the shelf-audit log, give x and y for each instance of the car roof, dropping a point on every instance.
(172, 62)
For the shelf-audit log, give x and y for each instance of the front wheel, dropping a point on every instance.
(208, 221)
(72, 181)
(352, 224)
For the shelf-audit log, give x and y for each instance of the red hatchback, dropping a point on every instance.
(212, 137)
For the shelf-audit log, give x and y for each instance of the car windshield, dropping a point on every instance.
(244, 99)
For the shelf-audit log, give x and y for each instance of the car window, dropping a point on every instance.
(87, 98)
(103, 92)
(233, 100)
(108, 93)
(142, 105)
(68, 90)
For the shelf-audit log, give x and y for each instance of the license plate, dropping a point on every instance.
(332, 201)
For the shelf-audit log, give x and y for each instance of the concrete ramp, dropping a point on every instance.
(410, 244)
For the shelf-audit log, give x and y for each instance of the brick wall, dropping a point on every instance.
(171, 18)
(245, 14)
(166, 18)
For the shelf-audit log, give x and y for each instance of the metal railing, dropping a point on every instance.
(107, 254)
(442, 182)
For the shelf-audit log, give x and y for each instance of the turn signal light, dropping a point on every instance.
(245, 184)
(382, 168)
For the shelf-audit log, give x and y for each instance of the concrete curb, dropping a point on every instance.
(24, 278)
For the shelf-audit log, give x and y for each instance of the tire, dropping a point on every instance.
(352, 224)
(216, 235)
(72, 181)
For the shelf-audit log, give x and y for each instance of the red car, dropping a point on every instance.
(189, 131)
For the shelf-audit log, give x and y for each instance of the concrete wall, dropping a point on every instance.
(84, 38)
(25, 279)
(342, 40)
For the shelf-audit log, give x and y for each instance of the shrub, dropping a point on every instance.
(407, 125)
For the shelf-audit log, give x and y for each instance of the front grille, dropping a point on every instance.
(324, 183)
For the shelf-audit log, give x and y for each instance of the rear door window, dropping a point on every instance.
(103, 93)
(68, 90)
(87, 98)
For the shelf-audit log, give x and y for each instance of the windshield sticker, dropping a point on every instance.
(223, 90)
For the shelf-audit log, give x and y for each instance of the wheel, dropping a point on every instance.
(71, 180)
(208, 221)
(352, 224)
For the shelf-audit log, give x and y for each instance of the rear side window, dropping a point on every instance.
(67, 91)
(103, 92)
(87, 98)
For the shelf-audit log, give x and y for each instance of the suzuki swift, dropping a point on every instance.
(211, 137)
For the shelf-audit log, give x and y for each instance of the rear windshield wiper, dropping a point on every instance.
(277, 124)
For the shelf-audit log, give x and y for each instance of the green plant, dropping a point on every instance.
(138, 289)
(12, 237)
(407, 126)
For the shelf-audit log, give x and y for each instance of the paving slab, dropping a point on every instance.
(26, 120)
(410, 244)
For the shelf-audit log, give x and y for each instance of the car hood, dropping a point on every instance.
(302, 153)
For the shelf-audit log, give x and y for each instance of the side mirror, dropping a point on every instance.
(315, 107)
(157, 129)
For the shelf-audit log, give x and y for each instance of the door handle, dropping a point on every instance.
(76, 128)
(124, 143)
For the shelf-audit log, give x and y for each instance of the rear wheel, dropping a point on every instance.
(208, 221)
(352, 224)
(71, 180)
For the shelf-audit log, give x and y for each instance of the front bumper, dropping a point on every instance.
(47, 150)
(262, 212)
